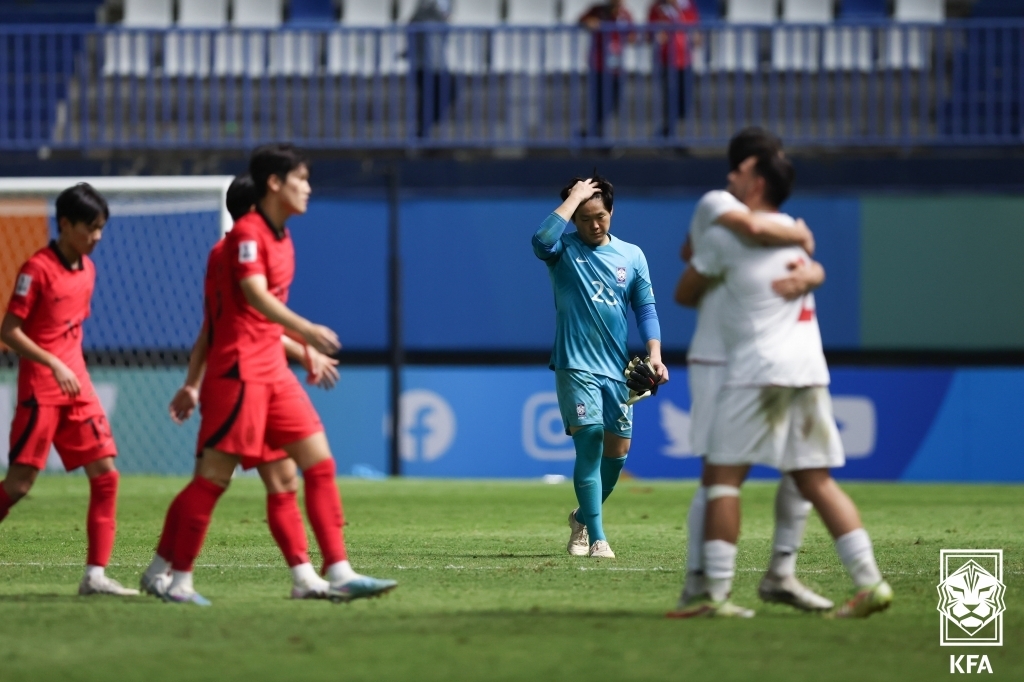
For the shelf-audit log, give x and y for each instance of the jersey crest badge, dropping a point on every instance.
(620, 275)
(23, 285)
(247, 252)
(581, 410)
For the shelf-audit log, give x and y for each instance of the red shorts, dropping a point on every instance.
(267, 457)
(79, 431)
(241, 417)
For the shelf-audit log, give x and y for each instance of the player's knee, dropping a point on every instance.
(17, 488)
(715, 492)
(812, 483)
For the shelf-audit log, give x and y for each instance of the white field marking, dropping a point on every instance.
(243, 566)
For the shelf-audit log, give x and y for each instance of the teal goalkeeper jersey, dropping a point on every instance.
(593, 287)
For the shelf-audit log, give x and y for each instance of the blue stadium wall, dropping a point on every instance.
(459, 422)
(904, 272)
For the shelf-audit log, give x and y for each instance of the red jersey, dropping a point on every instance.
(676, 48)
(53, 300)
(244, 343)
(612, 61)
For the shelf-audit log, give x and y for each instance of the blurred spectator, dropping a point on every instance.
(435, 88)
(673, 56)
(605, 81)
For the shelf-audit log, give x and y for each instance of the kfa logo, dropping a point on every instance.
(427, 427)
(620, 275)
(971, 597)
(972, 664)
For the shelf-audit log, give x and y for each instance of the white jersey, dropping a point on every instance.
(769, 341)
(707, 346)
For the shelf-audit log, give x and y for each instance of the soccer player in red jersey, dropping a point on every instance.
(57, 404)
(251, 403)
(276, 469)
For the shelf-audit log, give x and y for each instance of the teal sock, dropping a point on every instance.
(586, 478)
(611, 467)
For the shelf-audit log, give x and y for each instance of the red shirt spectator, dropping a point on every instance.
(674, 12)
(613, 12)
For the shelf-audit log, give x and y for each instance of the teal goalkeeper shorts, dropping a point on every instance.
(585, 398)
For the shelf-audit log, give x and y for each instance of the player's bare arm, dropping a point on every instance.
(259, 297)
(322, 370)
(186, 399)
(654, 352)
(12, 334)
(767, 231)
(691, 288)
(803, 278)
(581, 193)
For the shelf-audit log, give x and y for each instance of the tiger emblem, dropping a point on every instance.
(971, 597)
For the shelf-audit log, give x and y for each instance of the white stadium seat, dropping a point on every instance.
(738, 49)
(129, 52)
(466, 51)
(189, 52)
(524, 51)
(797, 48)
(380, 49)
(917, 52)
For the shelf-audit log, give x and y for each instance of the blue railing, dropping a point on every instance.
(843, 84)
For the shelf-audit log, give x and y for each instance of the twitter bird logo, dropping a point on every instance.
(675, 422)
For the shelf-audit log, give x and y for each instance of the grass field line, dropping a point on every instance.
(451, 567)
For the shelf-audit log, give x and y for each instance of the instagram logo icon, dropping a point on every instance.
(543, 431)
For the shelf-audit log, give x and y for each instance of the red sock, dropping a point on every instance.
(196, 505)
(165, 549)
(323, 505)
(285, 521)
(102, 520)
(5, 502)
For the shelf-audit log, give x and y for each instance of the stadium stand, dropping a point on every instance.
(49, 11)
(182, 71)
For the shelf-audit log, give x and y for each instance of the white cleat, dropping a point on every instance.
(789, 590)
(601, 550)
(156, 585)
(706, 607)
(321, 589)
(579, 540)
(101, 584)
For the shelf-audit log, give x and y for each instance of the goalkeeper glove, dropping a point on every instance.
(641, 379)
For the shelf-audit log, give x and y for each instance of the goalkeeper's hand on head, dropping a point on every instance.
(641, 379)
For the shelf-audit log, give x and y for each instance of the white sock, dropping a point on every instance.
(791, 513)
(341, 573)
(695, 583)
(695, 531)
(158, 566)
(94, 571)
(181, 582)
(719, 568)
(304, 575)
(858, 557)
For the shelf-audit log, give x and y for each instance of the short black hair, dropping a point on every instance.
(604, 190)
(278, 159)
(81, 204)
(752, 141)
(241, 196)
(778, 174)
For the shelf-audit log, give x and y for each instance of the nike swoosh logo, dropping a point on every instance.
(582, 260)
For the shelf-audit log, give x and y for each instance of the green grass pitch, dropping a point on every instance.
(487, 590)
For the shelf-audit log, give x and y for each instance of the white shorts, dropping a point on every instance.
(705, 383)
(789, 429)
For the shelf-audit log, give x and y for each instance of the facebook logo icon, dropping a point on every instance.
(428, 426)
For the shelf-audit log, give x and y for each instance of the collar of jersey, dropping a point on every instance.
(597, 248)
(270, 225)
(63, 260)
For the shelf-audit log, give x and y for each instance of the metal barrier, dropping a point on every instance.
(841, 84)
